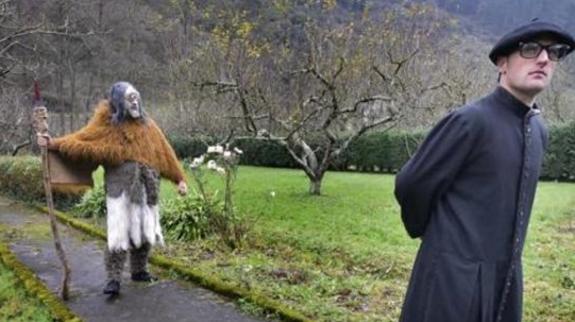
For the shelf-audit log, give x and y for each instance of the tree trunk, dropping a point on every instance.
(315, 186)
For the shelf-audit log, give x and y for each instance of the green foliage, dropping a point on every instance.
(92, 204)
(188, 218)
(202, 212)
(21, 178)
(15, 304)
(227, 223)
(265, 153)
(188, 147)
(559, 161)
(26, 278)
(387, 152)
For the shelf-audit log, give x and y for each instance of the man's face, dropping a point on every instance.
(132, 102)
(528, 76)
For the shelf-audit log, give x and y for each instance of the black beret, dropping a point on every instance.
(509, 42)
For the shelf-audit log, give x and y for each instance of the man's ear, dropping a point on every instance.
(502, 64)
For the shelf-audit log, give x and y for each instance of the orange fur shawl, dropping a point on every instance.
(103, 142)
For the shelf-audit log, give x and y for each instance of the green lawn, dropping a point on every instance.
(15, 304)
(345, 255)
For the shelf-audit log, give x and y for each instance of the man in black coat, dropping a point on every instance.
(468, 190)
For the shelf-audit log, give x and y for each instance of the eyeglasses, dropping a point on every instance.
(555, 52)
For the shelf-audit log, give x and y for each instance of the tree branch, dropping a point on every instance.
(17, 147)
(361, 131)
(366, 100)
(21, 33)
(401, 62)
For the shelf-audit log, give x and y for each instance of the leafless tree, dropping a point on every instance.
(342, 90)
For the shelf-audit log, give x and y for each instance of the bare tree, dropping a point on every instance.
(15, 122)
(13, 34)
(348, 84)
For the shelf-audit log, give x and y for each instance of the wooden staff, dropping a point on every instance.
(41, 126)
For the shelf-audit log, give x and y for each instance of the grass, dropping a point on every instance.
(549, 258)
(15, 304)
(345, 255)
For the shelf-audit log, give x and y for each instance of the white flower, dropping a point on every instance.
(216, 149)
(227, 154)
(212, 165)
(238, 151)
(197, 162)
(273, 194)
(221, 170)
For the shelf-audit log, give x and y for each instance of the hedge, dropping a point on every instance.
(21, 178)
(384, 152)
(559, 163)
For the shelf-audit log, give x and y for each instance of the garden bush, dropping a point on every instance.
(92, 204)
(21, 178)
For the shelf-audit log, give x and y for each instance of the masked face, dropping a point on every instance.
(132, 102)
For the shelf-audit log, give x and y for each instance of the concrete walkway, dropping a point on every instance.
(166, 300)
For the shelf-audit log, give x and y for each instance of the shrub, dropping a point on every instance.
(186, 147)
(92, 204)
(265, 153)
(225, 221)
(21, 178)
(188, 218)
(559, 161)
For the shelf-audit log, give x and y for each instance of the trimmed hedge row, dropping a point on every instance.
(384, 152)
(21, 178)
(559, 161)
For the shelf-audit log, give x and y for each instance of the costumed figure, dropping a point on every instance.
(135, 154)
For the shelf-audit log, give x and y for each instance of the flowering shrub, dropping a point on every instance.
(221, 217)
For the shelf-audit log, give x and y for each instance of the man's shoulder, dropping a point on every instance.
(473, 116)
(472, 112)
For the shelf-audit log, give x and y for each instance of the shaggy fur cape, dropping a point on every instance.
(103, 142)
